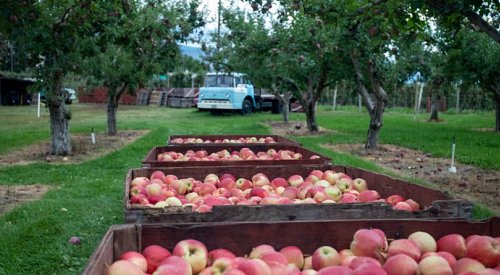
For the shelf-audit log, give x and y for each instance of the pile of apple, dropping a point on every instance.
(243, 154)
(226, 140)
(160, 190)
(370, 253)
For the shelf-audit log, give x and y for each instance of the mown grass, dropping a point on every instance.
(87, 198)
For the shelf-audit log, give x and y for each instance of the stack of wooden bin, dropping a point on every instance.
(307, 226)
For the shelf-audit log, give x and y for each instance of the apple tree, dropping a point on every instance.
(292, 53)
(52, 36)
(369, 32)
(480, 15)
(138, 40)
(475, 58)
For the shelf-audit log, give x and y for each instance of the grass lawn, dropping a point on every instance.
(87, 198)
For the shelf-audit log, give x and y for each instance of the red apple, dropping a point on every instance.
(139, 199)
(404, 246)
(307, 263)
(259, 179)
(358, 261)
(194, 252)
(259, 192)
(153, 189)
(368, 195)
(260, 250)
(211, 178)
(221, 265)
(322, 183)
(393, 199)
(403, 206)
(222, 192)
(344, 253)
(243, 184)
(282, 269)
(227, 183)
(254, 267)
(295, 180)
(154, 254)
(424, 241)
(330, 176)
(484, 249)
(318, 174)
(157, 175)
(294, 256)
(344, 184)
(219, 253)
(325, 256)
(181, 266)
(136, 258)
(453, 243)
(273, 256)
(335, 270)
(169, 179)
(333, 193)
(138, 189)
(367, 242)
(434, 265)
(139, 181)
(276, 182)
(401, 264)
(467, 265)
(270, 199)
(173, 201)
(156, 198)
(207, 188)
(359, 184)
(369, 269)
(123, 267)
(348, 198)
(414, 205)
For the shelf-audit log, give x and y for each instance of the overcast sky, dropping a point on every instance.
(212, 5)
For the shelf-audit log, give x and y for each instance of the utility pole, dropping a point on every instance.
(218, 18)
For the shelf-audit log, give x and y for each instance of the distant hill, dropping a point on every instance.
(194, 52)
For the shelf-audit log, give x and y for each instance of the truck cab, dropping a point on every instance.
(227, 91)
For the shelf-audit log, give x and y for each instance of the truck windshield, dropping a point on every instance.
(219, 81)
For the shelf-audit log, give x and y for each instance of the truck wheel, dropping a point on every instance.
(246, 107)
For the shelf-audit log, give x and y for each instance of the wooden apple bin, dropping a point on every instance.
(435, 204)
(240, 238)
(151, 161)
(278, 139)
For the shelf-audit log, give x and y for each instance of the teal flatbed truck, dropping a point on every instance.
(233, 92)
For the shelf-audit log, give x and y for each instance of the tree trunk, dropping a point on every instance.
(310, 111)
(375, 100)
(497, 112)
(59, 118)
(111, 110)
(114, 95)
(434, 109)
(286, 109)
(375, 125)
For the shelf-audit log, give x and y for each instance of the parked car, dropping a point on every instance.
(70, 95)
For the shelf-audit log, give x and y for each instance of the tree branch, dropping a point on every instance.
(359, 79)
(477, 20)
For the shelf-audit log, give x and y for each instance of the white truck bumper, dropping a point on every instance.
(215, 105)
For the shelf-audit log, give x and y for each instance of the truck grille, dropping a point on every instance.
(215, 101)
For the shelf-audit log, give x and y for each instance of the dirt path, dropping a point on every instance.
(471, 183)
